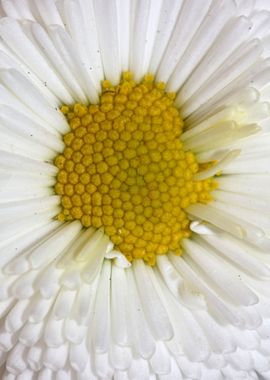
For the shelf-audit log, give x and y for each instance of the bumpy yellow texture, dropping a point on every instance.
(124, 168)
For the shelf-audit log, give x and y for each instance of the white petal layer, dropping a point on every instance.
(71, 307)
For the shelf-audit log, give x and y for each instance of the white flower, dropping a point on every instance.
(71, 307)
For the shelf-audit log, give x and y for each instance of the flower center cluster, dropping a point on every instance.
(124, 168)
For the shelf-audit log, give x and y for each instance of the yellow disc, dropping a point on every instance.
(124, 167)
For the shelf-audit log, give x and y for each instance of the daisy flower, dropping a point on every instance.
(134, 189)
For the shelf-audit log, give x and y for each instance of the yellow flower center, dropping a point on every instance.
(124, 168)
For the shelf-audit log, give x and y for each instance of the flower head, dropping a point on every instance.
(134, 189)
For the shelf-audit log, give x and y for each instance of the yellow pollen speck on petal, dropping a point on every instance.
(124, 168)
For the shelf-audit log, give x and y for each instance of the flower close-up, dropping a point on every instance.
(134, 189)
